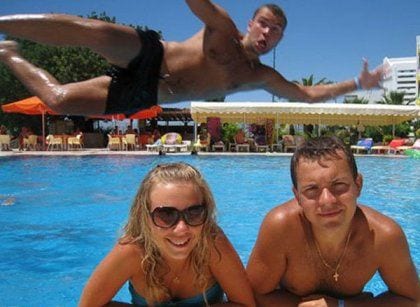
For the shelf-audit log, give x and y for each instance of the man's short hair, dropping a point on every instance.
(275, 9)
(317, 148)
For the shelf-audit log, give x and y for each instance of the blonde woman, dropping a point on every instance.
(172, 252)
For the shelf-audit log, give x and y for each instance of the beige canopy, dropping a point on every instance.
(304, 113)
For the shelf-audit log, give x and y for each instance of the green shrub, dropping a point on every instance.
(228, 132)
(387, 139)
(374, 132)
(402, 130)
(342, 134)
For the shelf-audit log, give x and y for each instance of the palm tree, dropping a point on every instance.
(308, 129)
(393, 97)
(310, 81)
(356, 100)
(216, 99)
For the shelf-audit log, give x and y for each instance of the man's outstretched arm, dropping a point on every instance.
(397, 270)
(211, 15)
(279, 86)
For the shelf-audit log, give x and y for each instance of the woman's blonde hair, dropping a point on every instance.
(138, 231)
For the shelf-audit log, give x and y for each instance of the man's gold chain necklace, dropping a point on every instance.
(337, 267)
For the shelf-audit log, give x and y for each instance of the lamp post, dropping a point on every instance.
(274, 67)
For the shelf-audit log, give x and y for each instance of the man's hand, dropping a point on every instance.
(369, 79)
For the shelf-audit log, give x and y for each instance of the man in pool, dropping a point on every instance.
(322, 247)
(215, 62)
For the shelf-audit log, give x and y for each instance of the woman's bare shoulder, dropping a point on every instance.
(129, 251)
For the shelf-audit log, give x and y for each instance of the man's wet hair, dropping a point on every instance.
(322, 147)
(275, 9)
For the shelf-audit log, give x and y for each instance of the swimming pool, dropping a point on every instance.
(65, 212)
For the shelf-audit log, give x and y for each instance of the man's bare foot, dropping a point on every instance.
(8, 48)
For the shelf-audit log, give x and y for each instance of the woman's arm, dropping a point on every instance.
(110, 275)
(229, 272)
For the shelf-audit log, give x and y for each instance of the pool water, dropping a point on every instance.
(59, 216)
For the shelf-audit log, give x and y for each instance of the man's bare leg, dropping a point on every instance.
(117, 43)
(80, 98)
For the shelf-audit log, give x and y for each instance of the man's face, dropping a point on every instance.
(265, 31)
(326, 191)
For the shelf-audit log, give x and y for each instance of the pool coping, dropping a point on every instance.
(104, 151)
(107, 152)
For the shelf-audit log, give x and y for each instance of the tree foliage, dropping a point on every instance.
(356, 100)
(393, 98)
(310, 81)
(216, 99)
(66, 64)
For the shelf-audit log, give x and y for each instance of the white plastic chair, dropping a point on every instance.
(75, 142)
(129, 142)
(31, 142)
(54, 142)
(4, 142)
(114, 142)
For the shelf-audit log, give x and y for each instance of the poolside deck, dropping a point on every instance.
(105, 151)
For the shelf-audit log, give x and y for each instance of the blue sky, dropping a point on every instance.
(327, 38)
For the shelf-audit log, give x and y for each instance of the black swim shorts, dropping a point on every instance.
(136, 87)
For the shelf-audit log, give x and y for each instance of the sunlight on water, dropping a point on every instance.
(59, 216)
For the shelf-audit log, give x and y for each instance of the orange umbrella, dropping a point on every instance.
(34, 106)
(143, 114)
(30, 106)
(147, 113)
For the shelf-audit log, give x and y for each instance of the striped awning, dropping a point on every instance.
(304, 113)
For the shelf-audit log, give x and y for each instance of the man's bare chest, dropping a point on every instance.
(308, 273)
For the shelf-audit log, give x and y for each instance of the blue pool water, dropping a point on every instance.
(65, 213)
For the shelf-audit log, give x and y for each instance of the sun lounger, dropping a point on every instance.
(416, 145)
(171, 141)
(378, 149)
(363, 145)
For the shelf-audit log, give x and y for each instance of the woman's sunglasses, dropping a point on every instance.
(167, 217)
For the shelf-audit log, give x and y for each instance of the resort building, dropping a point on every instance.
(372, 95)
(418, 68)
(402, 77)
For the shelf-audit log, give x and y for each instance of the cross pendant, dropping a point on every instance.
(335, 276)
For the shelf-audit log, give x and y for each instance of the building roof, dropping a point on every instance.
(173, 114)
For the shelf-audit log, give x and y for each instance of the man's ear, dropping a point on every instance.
(359, 183)
(295, 192)
(250, 23)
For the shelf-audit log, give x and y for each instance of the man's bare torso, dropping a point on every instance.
(305, 272)
(207, 65)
